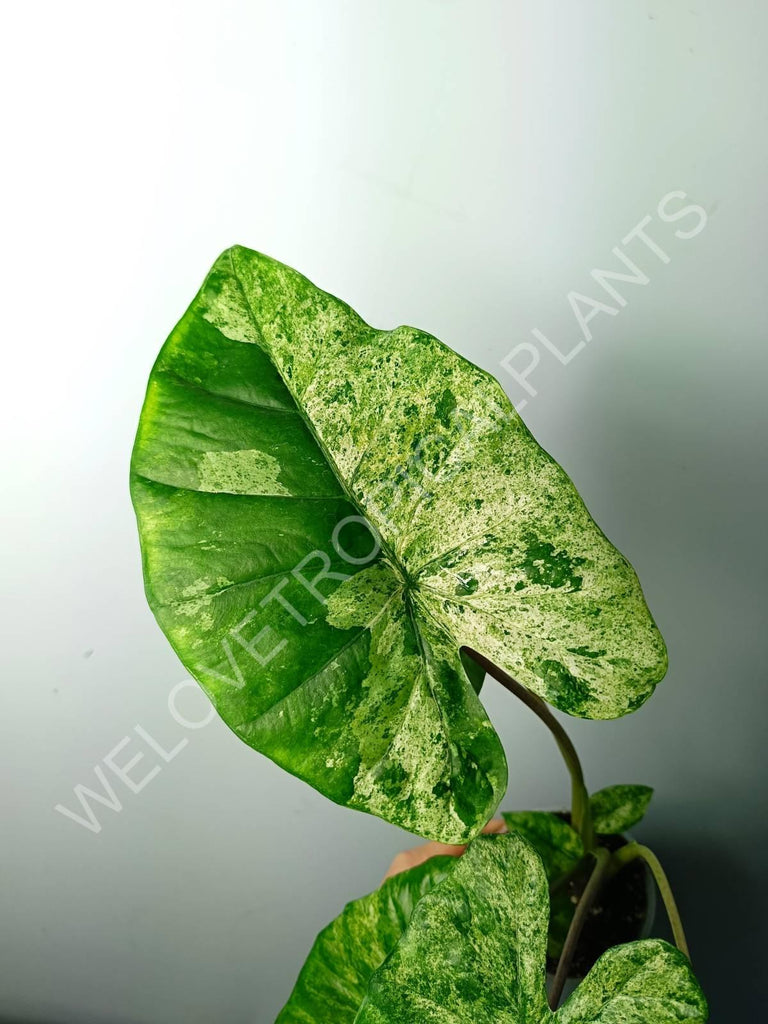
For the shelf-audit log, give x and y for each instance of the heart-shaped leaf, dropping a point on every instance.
(329, 513)
(474, 953)
(618, 808)
(335, 977)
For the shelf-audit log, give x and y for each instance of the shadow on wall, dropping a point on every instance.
(55, 1018)
(724, 914)
(672, 467)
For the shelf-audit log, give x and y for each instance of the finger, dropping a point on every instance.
(495, 827)
(418, 854)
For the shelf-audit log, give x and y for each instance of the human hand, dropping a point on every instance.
(418, 854)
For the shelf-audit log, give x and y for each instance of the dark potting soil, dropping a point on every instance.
(617, 917)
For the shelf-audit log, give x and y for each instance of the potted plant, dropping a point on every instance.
(343, 531)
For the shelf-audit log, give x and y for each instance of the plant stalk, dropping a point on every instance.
(585, 904)
(634, 851)
(581, 815)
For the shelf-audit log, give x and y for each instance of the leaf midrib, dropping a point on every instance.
(385, 546)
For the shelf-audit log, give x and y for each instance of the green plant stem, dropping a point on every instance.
(585, 904)
(581, 815)
(634, 851)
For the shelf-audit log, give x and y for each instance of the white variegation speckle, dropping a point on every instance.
(240, 472)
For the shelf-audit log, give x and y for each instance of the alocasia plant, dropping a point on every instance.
(343, 530)
(330, 513)
(473, 952)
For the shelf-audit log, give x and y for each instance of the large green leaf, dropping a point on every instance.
(335, 977)
(474, 953)
(329, 512)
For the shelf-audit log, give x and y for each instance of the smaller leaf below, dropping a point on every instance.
(618, 808)
(559, 846)
(333, 982)
(474, 953)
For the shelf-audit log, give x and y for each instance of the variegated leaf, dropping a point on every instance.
(474, 953)
(330, 512)
(335, 977)
(617, 808)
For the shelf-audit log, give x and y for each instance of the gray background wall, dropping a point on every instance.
(458, 166)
